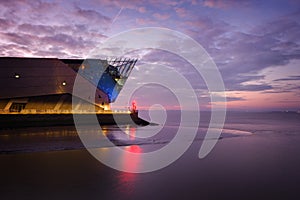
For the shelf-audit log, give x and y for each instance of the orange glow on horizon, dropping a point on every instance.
(260, 100)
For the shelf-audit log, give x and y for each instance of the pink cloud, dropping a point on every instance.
(195, 2)
(143, 21)
(161, 16)
(5, 23)
(142, 9)
(222, 4)
(216, 3)
(181, 12)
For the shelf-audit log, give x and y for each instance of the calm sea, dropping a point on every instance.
(237, 124)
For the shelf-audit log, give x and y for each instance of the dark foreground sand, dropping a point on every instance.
(250, 167)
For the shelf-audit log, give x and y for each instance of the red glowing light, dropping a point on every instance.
(133, 106)
(134, 149)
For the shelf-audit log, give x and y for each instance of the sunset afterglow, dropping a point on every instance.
(255, 44)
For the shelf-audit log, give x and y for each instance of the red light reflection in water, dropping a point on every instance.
(131, 163)
(130, 131)
(134, 149)
(132, 135)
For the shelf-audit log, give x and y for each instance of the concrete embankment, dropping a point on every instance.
(37, 120)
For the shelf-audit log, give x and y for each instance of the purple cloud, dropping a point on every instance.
(290, 78)
(241, 46)
(92, 16)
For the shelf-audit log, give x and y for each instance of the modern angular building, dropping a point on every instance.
(45, 85)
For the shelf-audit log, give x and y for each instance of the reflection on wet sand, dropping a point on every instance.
(128, 180)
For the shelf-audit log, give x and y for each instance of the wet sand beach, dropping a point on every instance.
(264, 165)
(238, 168)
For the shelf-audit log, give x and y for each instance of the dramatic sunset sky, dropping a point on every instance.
(255, 44)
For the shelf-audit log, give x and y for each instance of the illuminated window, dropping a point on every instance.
(17, 76)
(17, 107)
